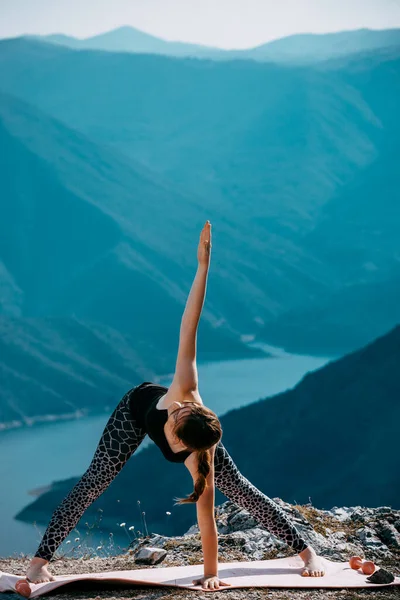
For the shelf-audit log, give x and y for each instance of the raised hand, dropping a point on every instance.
(205, 244)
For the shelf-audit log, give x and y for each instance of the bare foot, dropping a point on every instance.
(38, 572)
(313, 566)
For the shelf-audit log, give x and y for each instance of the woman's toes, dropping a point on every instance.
(305, 573)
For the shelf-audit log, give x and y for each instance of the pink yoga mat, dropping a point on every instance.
(278, 573)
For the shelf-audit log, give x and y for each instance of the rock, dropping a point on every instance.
(384, 510)
(338, 534)
(193, 529)
(230, 518)
(361, 514)
(255, 542)
(158, 540)
(150, 555)
(381, 576)
(343, 550)
(241, 521)
(342, 513)
(388, 533)
(372, 542)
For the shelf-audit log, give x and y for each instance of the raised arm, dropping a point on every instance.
(186, 378)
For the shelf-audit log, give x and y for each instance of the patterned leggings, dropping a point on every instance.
(121, 437)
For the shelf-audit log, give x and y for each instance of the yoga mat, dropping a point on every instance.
(275, 573)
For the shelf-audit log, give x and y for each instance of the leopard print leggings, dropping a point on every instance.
(120, 438)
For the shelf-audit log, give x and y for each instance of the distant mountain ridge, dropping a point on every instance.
(297, 48)
(127, 39)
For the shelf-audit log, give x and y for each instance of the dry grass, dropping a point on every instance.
(321, 523)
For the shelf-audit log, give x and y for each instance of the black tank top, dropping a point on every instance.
(143, 409)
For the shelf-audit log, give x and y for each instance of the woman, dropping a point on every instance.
(185, 431)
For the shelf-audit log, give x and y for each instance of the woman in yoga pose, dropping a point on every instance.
(185, 431)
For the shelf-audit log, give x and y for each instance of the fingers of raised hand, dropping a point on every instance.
(206, 231)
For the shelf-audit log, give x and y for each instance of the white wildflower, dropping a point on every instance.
(122, 524)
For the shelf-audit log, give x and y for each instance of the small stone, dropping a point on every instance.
(381, 576)
(192, 530)
(159, 540)
(150, 555)
(342, 513)
(384, 510)
(361, 514)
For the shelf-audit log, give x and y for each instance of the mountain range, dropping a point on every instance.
(112, 162)
(298, 48)
(311, 149)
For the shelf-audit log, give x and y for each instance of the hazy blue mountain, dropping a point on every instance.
(59, 38)
(298, 48)
(11, 297)
(129, 39)
(332, 438)
(356, 234)
(312, 47)
(342, 321)
(239, 274)
(64, 367)
(87, 253)
(274, 156)
(279, 139)
(357, 230)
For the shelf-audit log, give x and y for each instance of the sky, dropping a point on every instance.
(220, 23)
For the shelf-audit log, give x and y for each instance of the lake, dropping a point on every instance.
(34, 457)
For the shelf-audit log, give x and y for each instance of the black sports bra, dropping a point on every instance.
(143, 401)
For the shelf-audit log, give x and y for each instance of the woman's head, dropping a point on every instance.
(198, 428)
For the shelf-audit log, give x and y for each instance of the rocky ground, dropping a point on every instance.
(338, 534)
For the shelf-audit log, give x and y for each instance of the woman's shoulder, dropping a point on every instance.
(172, 395)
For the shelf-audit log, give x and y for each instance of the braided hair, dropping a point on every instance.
(199, 431)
